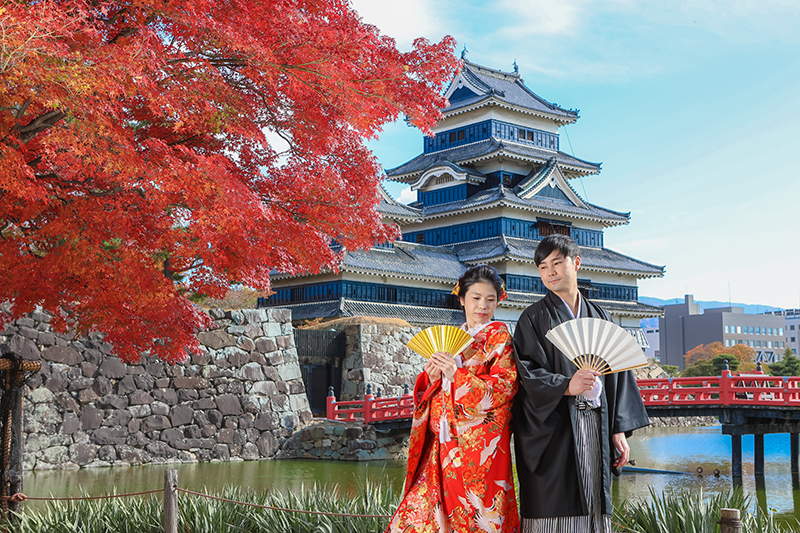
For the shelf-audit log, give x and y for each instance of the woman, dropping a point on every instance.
(459, 462)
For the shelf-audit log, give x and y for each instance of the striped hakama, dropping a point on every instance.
(587, 443)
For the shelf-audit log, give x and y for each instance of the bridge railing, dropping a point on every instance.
(371, 408)
(746, 389)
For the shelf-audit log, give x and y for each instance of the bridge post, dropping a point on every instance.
(330, 405)
(758, 448)
(794, 440)
(736, 456)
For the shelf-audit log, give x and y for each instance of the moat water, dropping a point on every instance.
(675, 449)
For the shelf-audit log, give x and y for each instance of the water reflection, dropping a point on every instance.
(681, 449)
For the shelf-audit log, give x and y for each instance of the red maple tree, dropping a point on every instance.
(138, 159)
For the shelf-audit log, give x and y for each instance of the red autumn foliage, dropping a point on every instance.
(744, 354)
(139, 162)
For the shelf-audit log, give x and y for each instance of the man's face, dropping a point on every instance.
(559, 273)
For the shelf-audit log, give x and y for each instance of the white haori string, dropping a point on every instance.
(593, 396)
(447, 385)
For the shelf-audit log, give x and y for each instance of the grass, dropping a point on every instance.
(679, 512)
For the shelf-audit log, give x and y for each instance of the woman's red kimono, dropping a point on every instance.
(464, 484)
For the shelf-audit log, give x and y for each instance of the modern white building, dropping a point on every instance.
(792, 327)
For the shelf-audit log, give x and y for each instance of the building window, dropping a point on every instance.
(791, 327)
(780, 331)
(751, 330)
(758, 344)
(739, 330)
(727, 329)
(421, 238)
(740, 341)
(783, 344)
(769, 332)
(727, 341)
(758, 331)
(792, 339)
(546, 228)
(769, 344)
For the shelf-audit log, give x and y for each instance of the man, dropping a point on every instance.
(570, 425)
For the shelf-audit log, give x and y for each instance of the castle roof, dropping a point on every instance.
(491, 148)
(414, 314)
(593, 259)
(502, 196)
(406, 260)
(395, 210)
(476, 86)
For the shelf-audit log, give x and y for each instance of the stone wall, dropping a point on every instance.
(346, 441)
(377, 354)
(238, 399)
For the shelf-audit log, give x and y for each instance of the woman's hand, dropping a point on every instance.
(445, 363)
(433, 371)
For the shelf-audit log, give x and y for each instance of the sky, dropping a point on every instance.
(692, 107)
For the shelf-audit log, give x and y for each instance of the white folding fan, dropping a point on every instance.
(440, 339)
(598, 345)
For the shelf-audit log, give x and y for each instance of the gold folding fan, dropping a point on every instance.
(597, 345)
(440, 339)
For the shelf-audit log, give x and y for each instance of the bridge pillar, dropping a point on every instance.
(736, 456)
(793, 450)
(758, 448)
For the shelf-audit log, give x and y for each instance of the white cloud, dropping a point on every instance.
(403, 21)
(407, 196)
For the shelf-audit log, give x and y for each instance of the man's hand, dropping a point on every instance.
(582, 381)
(621, 444)
(445, 363)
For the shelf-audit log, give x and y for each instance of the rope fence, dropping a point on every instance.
(171, 490)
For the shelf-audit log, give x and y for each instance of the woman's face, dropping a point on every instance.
(479, 303)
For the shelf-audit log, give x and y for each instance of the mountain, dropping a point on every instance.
(751, 309)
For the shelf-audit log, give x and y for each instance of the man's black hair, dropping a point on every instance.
(562, 243)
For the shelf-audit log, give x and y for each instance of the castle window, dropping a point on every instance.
(546, 228)
(421, 238)
(462, 134)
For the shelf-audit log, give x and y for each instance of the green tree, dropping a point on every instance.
(672, 370)
(711, 367)
(789, 366)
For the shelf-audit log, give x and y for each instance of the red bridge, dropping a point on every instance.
(746, 404)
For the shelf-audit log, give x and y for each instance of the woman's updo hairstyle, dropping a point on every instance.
(477, 274)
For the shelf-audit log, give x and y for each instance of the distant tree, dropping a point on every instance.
(704, 367)
(740, 352)
(672, 370)
(789, 366)
(788, 352)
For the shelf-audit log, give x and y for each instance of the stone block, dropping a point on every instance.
(237, 357)
(272, 329)
(265, 345)
(246, 344)
(225, 435)
(113, 401)
(132, 456)
(91, 418)
(249, 452)
(236, 330)
(155, 423)
(297, 387)
(264, 388)
(162, 383)
(118, 419)
(145, 382)
(45, 338)
(271, 373)
(71, 424)
(181, 415)
(139, 397)
(216, 339)
(102, 386)
(221, 452)
(87, 396)
(159, 408)
(168, 396)
(289, 372)
(237, 317)
(265, 421)
(190, 383)
(253, 331)
(255, 316)
(285, 341)
(188, 395)
(229, 404)
(41, 395)
(113, 368)
(80, 383)
(215, 417)
(201, 358)
(125, 385)
(140, 411)
(250, 372)
(62, 354)
(83, 454)
(106, 436)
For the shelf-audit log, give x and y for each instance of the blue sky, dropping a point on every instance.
(693, 108)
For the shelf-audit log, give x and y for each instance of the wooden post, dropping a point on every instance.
(170, 501)
(736, 456)
(758, 449)
(793, 450)
(730, 521)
